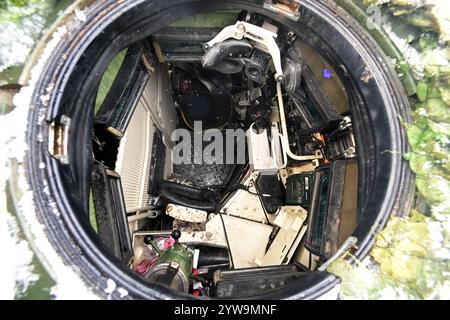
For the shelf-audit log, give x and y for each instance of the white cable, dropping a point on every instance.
(277, 135)
(284, 140)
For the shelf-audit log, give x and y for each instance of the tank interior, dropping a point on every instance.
(224, 157)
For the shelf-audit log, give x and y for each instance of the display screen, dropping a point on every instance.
(320, 218)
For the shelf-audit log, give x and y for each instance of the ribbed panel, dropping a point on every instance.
(133, 158)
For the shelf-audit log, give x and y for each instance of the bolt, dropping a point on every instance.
(174, 265)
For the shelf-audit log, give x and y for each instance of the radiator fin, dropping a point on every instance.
(133, 159)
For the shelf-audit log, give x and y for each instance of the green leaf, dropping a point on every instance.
(422, 90)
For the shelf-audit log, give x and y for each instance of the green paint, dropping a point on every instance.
(92, 214)
(108, 78)
(180, 254)
(39, 289)
(208, 20)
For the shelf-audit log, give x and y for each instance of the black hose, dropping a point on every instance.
(196, 197)
(178, 199)
(212, 255)
(182, 189)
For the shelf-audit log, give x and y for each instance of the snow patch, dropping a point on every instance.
(13, 147)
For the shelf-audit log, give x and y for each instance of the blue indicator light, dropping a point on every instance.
(326, 73)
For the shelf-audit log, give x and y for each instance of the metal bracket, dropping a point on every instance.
(290, 8)
(349, 243)
(58, 139)
(345, 123)
(260, 35)
(350, 153)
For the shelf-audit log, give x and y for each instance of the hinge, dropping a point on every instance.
(58, 138)
(290, 8)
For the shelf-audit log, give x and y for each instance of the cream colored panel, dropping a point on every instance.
(186, 214)
(157, 97)
(133, 158)
(290, 220)
(248, 239)
(247, 205)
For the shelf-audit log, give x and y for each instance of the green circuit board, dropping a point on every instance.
(299, 189)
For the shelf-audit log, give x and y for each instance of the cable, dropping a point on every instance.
(241, 187)
(265, 195)
(262, 204)
(246, 188)
(226, 238)
(224, 231)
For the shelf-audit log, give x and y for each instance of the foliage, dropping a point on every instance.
(412, 254)
(14, 10)
(21, 24)
(108, 78)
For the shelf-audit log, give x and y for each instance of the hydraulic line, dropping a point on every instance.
(284, 137)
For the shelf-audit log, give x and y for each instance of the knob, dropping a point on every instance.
(176, 234)
(148, 239)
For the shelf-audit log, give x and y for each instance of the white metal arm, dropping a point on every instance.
(263, 36)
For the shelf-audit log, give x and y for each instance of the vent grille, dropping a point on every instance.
(133, 158)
